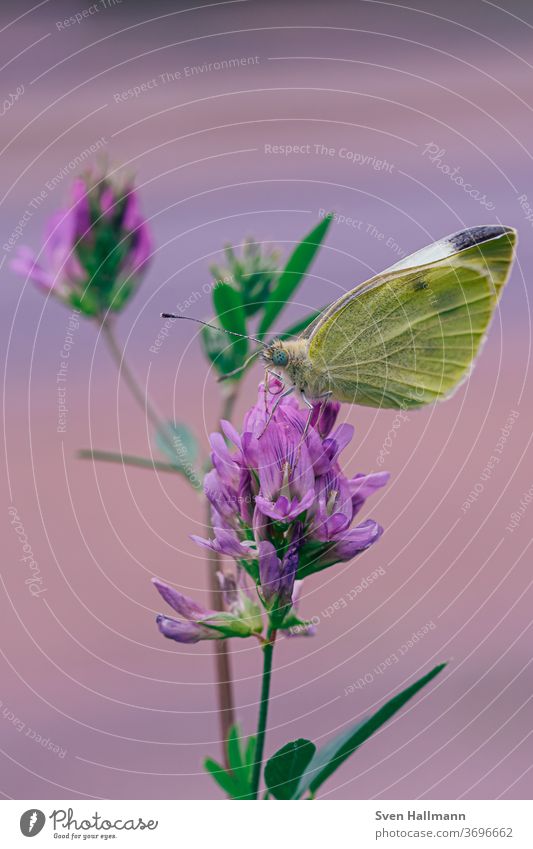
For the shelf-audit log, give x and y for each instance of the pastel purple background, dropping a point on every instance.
(83, 664)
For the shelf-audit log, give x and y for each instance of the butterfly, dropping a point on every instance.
(408, 336)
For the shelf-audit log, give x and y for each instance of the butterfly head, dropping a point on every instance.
(277, 354)
(280, 358)
(290, 357)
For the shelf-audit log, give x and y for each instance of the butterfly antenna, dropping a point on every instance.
(213, 327)
(240, 368)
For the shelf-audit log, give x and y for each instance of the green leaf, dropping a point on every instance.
(229, 308)
(179, 444)
(235, 781)
(241, 761)
(219, 350)
(290, 278)
(86, 302)
(326, 756)
(234, 750)
(249, 758)
(127, 460)
(252, 274)
(215, 345)
(121, 294)
(291, 620)
(284, 769)
(225, 780)
(334, 753)
(300, 326)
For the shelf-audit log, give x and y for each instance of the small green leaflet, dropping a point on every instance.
(292, 275)
(229, 307)
(224, 779)
(284, 769)
(237, 780)
(179, 444)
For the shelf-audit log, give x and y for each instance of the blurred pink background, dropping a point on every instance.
(378, 83)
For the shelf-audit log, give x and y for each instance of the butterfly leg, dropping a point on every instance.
(310, 407)
(324, 397)
(265, 388)
(275, 407)
(268, 372)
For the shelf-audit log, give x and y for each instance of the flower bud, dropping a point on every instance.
(95, 251)
(253, 273)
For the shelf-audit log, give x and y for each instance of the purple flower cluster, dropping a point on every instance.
(95, 250)
(281, 506)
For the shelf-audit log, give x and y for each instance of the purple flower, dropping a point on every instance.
(324, 417)
(188, 631)
(229, 543)
(230, 592)
(95, 250)
(183, 605)
(341, 547)
(228, 486)
(185, 632)
(338, 500)
(197, 622)
(302, 628)
(240, 600)
(281, 505)
(276, 576)
(363, 486)
(283, 465)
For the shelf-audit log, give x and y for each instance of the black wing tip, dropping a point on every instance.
(471, 236)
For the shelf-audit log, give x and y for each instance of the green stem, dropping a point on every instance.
(224, 679)
(268, 651)
(130, 380)
(226, 710)
(230, 399)
(226, 701)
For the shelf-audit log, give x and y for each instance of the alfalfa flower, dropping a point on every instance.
(281, 506)
(96, 249)
(199, 623)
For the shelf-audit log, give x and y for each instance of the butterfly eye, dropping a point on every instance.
(280, 358)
